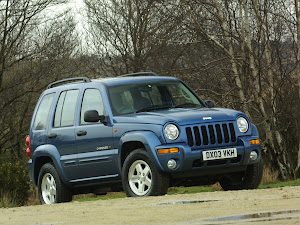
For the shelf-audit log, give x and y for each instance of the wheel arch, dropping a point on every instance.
(139, 139)
(47, 154)
(127, 148)
(39, 162)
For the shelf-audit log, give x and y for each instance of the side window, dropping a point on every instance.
(59, 107)
(92, 100)
(65, 109)
(42, 114)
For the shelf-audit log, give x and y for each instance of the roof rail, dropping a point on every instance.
(84, 79)
(139, 74)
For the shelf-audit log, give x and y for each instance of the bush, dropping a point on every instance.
(14, 184)
(269, 176)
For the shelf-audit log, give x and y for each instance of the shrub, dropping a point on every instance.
(269, 176)
(14, 184)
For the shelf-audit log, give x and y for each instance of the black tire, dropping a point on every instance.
(251, 180)
(150, 183)
(51, 189)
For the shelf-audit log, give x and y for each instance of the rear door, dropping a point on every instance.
(96, 157)
(61, 133)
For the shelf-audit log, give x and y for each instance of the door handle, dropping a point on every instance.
(81, 133)
(52, 136)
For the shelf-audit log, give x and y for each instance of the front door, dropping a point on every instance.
(96, 157)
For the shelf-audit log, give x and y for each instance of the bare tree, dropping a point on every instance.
(16, 21)
(131, 35)
(249, 33)
(44, 53)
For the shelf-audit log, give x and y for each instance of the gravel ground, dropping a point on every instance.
(267, 206)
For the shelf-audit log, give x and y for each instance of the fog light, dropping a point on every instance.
(253, 155)
(172, 164)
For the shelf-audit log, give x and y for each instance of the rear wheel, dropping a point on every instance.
(250, 180)
(50, 187)
(141, 178)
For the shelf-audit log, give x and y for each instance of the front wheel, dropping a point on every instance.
(141, 178)
(51, 189)
(250, 180)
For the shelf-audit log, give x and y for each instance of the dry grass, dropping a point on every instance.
(216, 187)
(33, 196)
(80, 196)
(269, 176)
(7, 200)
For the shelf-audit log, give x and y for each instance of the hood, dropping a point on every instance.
(182, 116)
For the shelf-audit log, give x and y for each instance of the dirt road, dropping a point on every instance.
(268, 206)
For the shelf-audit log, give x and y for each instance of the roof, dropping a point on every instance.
(113, 81)
(132, 78)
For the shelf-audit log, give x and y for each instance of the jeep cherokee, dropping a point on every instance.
(138, 132)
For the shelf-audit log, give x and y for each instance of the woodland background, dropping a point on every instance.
(242, 54)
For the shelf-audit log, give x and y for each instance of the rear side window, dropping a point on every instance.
(65, 109)
(42, 114)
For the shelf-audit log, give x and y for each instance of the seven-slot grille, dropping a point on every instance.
(210, 134)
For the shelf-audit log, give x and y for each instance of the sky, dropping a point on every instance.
(77, 9)
(76, 6)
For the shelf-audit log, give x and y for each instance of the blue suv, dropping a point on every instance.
(138, 132)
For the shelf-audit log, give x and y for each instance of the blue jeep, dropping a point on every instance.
(138, 132)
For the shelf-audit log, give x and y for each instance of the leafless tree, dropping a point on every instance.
(133, 35)
(35, 54)
(250, 34)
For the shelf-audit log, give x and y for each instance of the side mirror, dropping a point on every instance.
(92, 116)
(209, 104)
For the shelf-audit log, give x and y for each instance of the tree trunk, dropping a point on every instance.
(298, 64)
(228, 51)
(273, 136)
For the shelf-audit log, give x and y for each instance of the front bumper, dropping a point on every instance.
(190, 161)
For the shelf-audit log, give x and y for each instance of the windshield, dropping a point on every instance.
(142, 97)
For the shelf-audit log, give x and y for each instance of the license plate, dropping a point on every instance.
(219, 154)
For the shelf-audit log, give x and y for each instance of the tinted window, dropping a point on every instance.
(181, 95)
(65, 109)
(151, 96)
(92, 100)
(42, 114)
(58, 111)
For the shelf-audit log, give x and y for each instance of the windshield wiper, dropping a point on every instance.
(187, 104)
(153, 107)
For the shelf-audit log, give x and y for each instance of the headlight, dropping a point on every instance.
(171, 131)
(242, 124)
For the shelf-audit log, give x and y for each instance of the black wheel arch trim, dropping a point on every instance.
(51, 152)
(148, 139)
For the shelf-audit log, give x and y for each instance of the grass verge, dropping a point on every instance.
(180, 190)
(281, 184)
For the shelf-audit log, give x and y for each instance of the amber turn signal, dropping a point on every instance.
(168, 150)
(254, 142)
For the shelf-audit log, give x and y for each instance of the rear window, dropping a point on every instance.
(42, 114)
